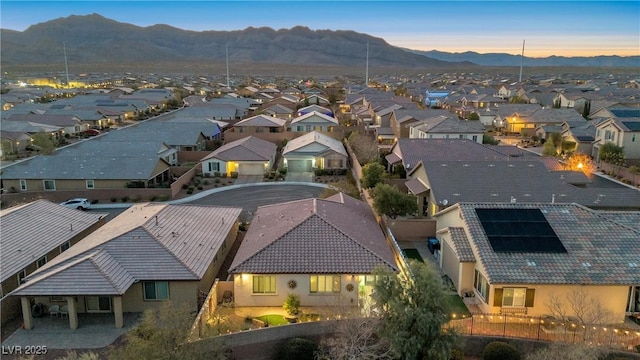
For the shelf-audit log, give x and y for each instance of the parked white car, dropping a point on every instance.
(78, 203)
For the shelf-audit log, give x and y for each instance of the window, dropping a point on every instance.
(65, 246)
(324, 283)
(259, 129)
(214, 166)
(481, 285)
(308, 128)
(156, 290)
(23, 185)
(460, 136)
(41, 261)
(513, 296)
(90, 184)
(299, 128)
(273, 129)
(370, 280)
(317, 128)
(49, 184)
(475, 138)
(21, 275)
(264, 284)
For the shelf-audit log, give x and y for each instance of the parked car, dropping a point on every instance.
(92, 132)
(78, 203)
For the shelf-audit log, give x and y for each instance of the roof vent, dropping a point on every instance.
(586, 264)
(633, 264)
(531, 263)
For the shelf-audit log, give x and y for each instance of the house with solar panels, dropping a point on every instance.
(514, 258)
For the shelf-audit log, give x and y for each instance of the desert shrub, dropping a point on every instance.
(152, 198)
(217, 181)
(206, 182)
(296, 348)
(94, 201)
(124, 199)
(189, 192)
(163, 197)
(234, 174)
(200, 187)
(114, 199)
(498, 350)
(185, 186)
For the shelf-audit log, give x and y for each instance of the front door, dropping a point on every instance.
(98, 303)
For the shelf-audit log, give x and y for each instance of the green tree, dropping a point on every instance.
(500, 350)
(413, 313)
(612, 154)
(474, 116)
(553, 145)
(373, 173)
(490, 140)
(43, 141)
(389, 200)
(586, 110)
(162, 334)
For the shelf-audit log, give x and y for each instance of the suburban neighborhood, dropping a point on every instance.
(275, 197)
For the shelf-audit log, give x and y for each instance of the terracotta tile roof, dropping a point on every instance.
(461, 244)
(30, 231)
(336, 235)
(599, 250)
(146, 242)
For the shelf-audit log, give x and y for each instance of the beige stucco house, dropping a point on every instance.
(149, 254)
(516, 258)
(623, 132)
(245, 156)
(324, 250)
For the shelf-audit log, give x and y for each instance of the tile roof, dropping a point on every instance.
(302, 141)
(461, 244)
(315, 117)
(337, 235)
(524, 181)
(146, 242)
(448, 124)
(261, 120)
(416, 186)
(626, 218)
(30, 231)
(599, 250)
(249, 148)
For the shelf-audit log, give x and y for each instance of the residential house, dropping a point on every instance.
(495, 252)
(258, 124)
(150, 254)
(402, 119)
(623, 132)
(324, 250)
(314, 121)
(315, 108)
(443, 172)
(445, 127)
(316, 99)
(13, 142)
(583, 134)
(246, 156)
(279, 111)
(513, 117)
(34, 234)
(314, 151)
(69, 124)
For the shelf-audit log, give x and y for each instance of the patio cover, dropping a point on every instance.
(416, 186)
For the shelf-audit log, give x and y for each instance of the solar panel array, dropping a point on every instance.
(519, 230)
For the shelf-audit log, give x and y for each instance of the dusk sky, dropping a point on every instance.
(563, 28)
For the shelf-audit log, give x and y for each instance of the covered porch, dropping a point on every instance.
(70, 308)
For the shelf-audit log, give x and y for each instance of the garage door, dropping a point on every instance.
(297, 166)
(251, 169)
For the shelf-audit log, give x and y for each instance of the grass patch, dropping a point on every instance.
(412, 254)
(457, 306)
(273, 319)
(309, 317)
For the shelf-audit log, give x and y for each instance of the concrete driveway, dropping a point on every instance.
(299, 177)
(248, 179)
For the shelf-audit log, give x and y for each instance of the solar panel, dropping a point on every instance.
(632, 125)
(519, 230)
(625, 112)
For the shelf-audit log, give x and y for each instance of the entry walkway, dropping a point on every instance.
(94, 331)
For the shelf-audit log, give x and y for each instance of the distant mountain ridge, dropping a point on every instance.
(498, 59)
(96, 39)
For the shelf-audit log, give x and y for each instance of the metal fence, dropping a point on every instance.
(621, 337)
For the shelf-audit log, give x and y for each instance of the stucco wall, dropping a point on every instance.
(180, 292)
(243, 292)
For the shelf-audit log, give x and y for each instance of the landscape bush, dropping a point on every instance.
(124, 199)
(498, 350)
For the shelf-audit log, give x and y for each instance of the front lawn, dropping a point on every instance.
(457, 306)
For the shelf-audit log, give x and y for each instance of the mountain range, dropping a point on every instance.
(94, 39)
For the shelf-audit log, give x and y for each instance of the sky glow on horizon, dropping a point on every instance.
(564, 28)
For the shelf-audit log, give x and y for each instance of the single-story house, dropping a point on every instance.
(149, 254)
(314, 151)
(446, 127)
(314, 121)
(315, 108)
(259, 124)
(323, 250)
(246, 156)
(32, 235)
(516, 258)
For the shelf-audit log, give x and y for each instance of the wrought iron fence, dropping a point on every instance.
(621, 337)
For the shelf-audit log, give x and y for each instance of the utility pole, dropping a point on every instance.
(66, 66)
(521, 60)
(227, 47)
(366, 75)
